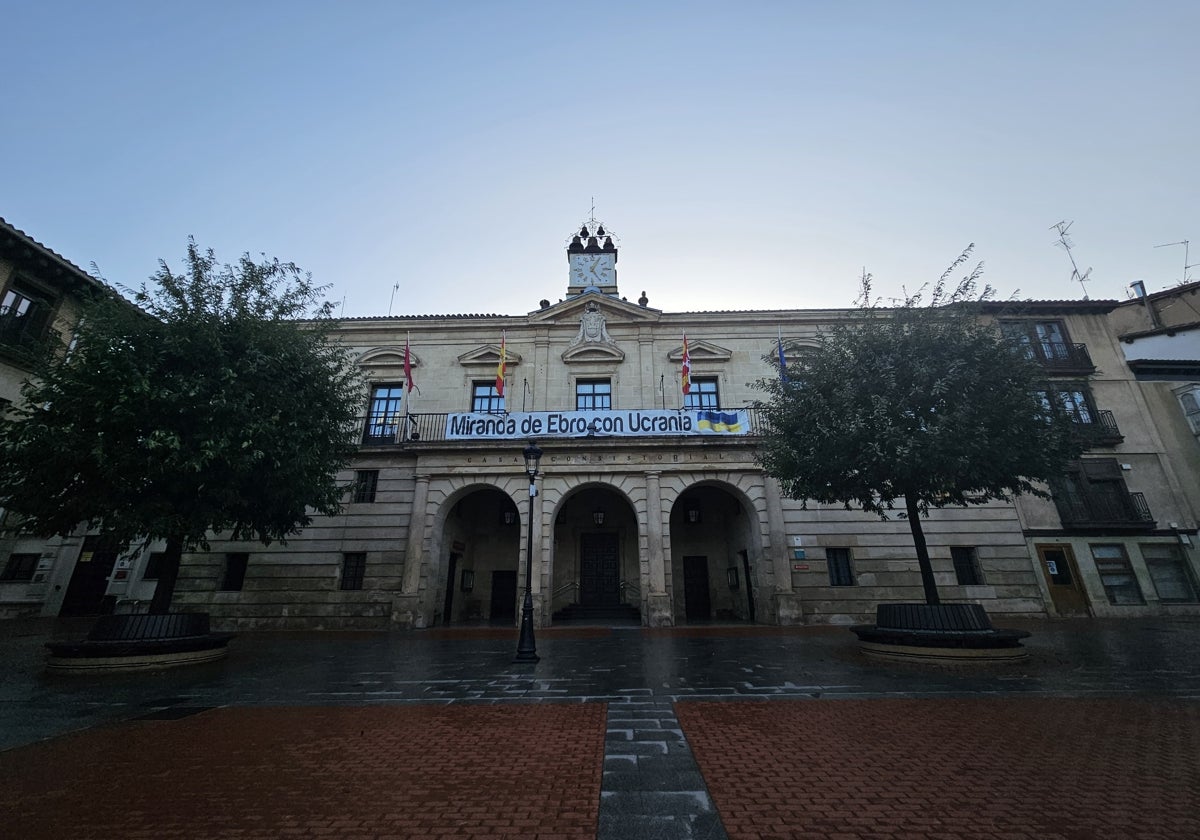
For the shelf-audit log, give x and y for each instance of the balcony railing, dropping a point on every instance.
(1103, 430)
(1112, 510)
(25, 334)
(1061, 357)
(392, 430)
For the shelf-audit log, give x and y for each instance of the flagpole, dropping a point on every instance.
(408, 380)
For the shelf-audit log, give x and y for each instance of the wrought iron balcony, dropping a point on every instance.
(1063, 358)
(1102, 431)
(24, 335)
(1103, 510)
(402, 429)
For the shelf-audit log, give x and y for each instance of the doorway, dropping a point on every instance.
(85, 592)
(697, 602)
(504, 597)
(599, 570)
(1062, 577)
(451, 570)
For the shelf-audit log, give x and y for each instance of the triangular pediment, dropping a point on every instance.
(701, 351)
(615, 310)
(593, 353)
(488, 355)
(388, 356)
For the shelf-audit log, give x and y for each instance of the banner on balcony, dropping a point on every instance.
(581, 424)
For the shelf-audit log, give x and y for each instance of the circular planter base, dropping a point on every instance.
(923, 653)
(131, 661)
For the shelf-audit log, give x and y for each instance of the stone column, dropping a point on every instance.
(658, 602)
(540, 569)
(785, 602)
(406, 608)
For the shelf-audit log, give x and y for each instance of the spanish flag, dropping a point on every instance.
(687, 367)
(501, 368)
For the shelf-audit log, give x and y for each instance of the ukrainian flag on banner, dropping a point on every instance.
(719, 422)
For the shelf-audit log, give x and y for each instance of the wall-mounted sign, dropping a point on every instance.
(582, 424)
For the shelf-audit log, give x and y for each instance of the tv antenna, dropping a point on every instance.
(1184, 243)
(1066, 244)
(392, 299)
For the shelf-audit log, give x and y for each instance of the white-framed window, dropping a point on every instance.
(1189, 401)
(703, 393)
(593, 395)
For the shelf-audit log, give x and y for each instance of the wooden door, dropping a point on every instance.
(697, 603)
(85, 592)
(504, 598)
(599, 570)
(1062, 577)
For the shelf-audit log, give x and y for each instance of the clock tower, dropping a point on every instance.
(592, 257)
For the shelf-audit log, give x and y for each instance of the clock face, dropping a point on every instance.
(592, 269)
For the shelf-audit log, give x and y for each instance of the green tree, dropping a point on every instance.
(924, 403)
(211, 406)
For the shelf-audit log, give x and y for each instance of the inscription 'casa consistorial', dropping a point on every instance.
(570, 424)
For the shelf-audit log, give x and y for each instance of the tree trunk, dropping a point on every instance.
(914, 522)
(168, 572)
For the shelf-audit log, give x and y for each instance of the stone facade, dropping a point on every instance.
(678, 525)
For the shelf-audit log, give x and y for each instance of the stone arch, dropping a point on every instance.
(595, 559)
(467, 531)
(719, 565)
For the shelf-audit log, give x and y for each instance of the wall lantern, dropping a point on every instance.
(731, 575)
(509, 517)
(468, 580)
(693, 515)
(598, 516)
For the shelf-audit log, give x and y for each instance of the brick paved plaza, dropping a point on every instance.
(739, 732)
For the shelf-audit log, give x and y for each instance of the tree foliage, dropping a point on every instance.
(924, 403)
(207, 407)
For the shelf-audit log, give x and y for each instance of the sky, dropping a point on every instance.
(435, 157)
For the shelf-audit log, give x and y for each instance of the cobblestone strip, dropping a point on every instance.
(652, 787)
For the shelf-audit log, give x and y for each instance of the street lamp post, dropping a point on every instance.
(526, 645)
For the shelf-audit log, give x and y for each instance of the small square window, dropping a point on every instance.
(840, 571)
(365, 482)
(19, 568)
(593, 395)
(485, 398)
(153, 565)
(233, 575)
(353, 565)
(966, 566)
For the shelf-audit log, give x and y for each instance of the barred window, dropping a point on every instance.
(233, 575)
(840, 571)
(365, 482)
(966, 566)
(354, 564)
(19, 568)
(1116, 574)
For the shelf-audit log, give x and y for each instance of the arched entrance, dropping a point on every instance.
(597, 574)
(480, 546)
(714, 549)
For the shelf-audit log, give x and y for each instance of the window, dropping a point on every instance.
(593, 394)
(233, 575)
(702, 394)
(1048, 343)
(19, 568)
(365, 482)
(484, 397)
(1117, 575)
(840, 572)
(383, 419)
(23, 315)
(1172, 579)
(353, 566)
(1072, 400)
(1189, 399)
(153, 565)
(966, 566)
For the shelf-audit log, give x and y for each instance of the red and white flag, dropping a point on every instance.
(501, 368)
(408, 377)
(687, 367)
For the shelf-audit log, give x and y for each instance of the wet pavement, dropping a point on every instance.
(656, 771)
